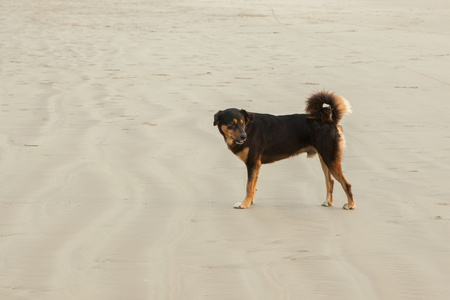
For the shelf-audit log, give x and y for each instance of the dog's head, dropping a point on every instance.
(232, 123)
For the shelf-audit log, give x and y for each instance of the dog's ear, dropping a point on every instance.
(217, 117)
(248, 116)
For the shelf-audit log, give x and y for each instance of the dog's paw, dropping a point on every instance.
(240, 205)
(347, 207)
(327, 204)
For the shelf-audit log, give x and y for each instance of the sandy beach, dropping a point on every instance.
(116, 185)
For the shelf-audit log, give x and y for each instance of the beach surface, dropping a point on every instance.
(116, 185)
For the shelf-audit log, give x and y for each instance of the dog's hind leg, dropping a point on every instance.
(329, 183)
(252, 173)
(336, 171)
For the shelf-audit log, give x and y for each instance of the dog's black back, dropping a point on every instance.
(278, 137)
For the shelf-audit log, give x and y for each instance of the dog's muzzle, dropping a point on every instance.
(243, 138)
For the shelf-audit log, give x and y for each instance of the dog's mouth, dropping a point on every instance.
(240, 142)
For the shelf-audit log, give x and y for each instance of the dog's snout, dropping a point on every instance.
(243, 136)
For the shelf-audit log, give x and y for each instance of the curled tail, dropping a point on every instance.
(327, 106)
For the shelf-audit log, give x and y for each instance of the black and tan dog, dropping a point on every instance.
(262, 138)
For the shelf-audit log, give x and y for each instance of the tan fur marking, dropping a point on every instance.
(242, 122)
(251, 187)
(243, 154)
(342, 144)
(336, 171)
(329, 182)
(228, 135)
(234, 121)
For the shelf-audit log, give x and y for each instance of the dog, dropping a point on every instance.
(263, 138)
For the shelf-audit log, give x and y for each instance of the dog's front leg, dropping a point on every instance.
(252, 173)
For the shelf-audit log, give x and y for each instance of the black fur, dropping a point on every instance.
(263, 138)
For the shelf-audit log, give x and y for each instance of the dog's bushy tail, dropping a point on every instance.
(327, 106)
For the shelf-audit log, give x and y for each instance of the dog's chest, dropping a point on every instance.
(243, 154)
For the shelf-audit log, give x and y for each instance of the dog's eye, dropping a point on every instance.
(230, 127)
